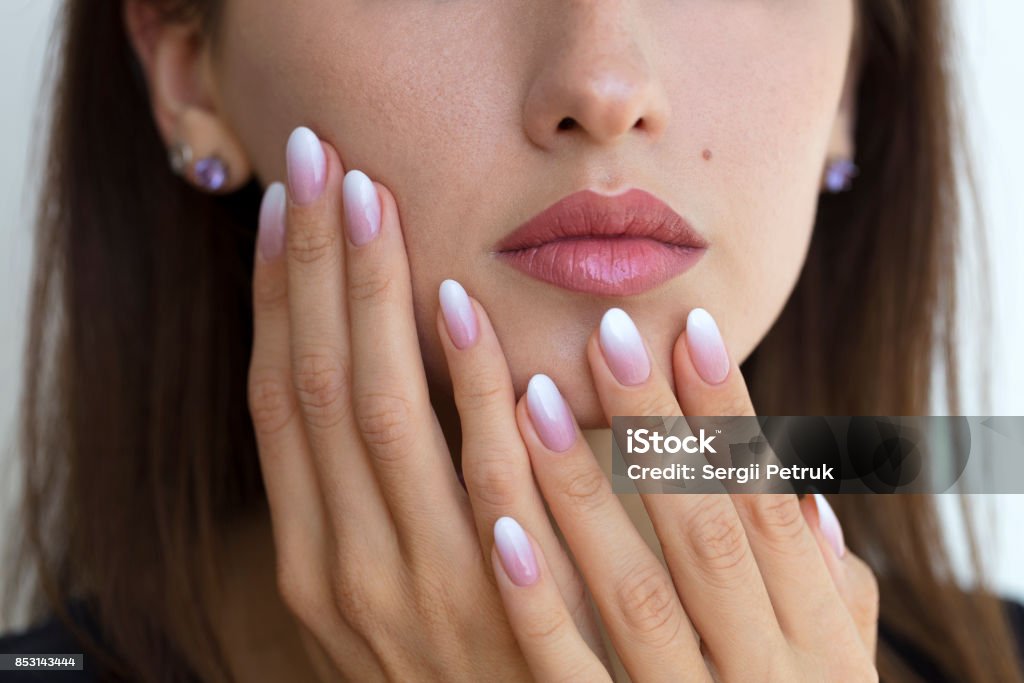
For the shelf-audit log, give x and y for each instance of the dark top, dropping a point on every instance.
(51, 637)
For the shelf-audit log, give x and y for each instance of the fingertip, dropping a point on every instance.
(460, 315)
(270, 236)
(706, 347)
(516, 551)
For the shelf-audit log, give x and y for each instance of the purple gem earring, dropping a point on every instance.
(209, 173)
(839, 175)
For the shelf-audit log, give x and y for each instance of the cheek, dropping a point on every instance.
(396, 88)
(758, 85)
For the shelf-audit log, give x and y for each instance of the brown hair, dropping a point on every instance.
(137, 444)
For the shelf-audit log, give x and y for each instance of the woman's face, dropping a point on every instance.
(455, 106)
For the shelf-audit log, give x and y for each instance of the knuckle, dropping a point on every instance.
(544, 625)
(351, 597)
(320, 382)
(656, 403)
(647, 599)
(372, 285)
(776, 517)
(310, 244)
(584, 488)
(270, 401)
(493, 481)
(481, 389)
(296, 589)
(383, 419)
(717, 535)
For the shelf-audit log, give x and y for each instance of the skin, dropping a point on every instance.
(759, 85)
(756, 83)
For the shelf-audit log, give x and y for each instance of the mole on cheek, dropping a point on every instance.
(706, 154)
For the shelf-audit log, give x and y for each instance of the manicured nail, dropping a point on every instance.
(270, 239)
(459, 317)
(707, 350)
(623, 347)
(307, 166)
(515, 552)
(362, 207)
(550, 414)
(829, 525)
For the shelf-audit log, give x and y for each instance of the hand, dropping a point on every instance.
(378, 545)
(758, 587)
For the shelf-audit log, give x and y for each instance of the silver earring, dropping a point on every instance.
(209, 173)
(839, 175)
(180, 156)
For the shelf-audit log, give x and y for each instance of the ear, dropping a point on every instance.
(175, 59)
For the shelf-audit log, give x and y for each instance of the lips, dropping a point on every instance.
(610, 246)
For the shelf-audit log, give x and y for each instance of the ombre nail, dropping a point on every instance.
(515, 552)
(362, 207)
(270, 238)
(829, 525)
(307, 166)
(623, 347)
(459, 316)
(550, 414)
(707, 350)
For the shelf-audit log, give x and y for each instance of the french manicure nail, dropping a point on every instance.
(829, 525)
(515, 552)
(550, 414)
(307, 166)
(362, 207)
(707, 350)
(459, 316)
(270, 238)
(623, 347)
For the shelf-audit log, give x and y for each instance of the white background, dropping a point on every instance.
(993, 72)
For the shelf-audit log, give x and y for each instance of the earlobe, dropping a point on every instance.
(202, 148)
(840, 169)
(207, 154)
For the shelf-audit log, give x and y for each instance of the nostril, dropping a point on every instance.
(568, 123)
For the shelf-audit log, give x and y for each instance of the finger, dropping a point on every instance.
(702, 535)
(856, 583)
(632, 589)
(390, 399)
(320, 354)
(543, 626)
(495, 464)
(803, 595)
(293, 493)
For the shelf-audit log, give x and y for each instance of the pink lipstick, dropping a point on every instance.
(609, 246)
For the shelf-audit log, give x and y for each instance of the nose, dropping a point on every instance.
(593, 80)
